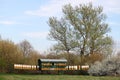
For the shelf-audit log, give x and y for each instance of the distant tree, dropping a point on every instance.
(73, 58)
(52, 56)
(93, 58)
(83, 29)
(25, 47)
(33, 58)
(30, 56)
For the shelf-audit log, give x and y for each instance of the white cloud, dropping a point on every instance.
(36, 34)
(110, 7)
(45, 11)
(54, 7)
(8, 22)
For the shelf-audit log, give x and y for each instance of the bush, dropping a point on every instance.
(109, 66)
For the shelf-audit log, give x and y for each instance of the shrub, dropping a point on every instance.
(109, 66)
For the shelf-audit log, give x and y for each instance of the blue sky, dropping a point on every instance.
(27, 19)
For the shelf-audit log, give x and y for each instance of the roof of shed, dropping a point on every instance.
(53, 60)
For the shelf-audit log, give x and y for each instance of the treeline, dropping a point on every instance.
(21, 53)
(24, 53)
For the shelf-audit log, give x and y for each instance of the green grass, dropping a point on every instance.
(53, 77)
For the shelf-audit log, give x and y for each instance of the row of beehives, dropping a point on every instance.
(25, 67)
(35, 67)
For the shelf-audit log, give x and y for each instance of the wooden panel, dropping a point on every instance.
(46, 64)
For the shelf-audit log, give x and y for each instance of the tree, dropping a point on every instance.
(9, 55)
(62, 33)
(90, 26)
(30, 56)
(25, 48)
(33, 58)
(87, 29)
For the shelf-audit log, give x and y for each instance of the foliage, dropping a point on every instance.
(30, 56)
(25, 48)
(9, 54)
(109, 66)
(52, 56)
(33, 58)
(82, 29)
(71, 57)
(93, 58)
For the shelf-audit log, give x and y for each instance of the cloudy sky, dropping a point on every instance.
(27, 19)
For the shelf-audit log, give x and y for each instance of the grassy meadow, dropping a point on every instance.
(53, 77)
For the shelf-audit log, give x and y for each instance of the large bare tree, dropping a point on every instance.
(25, 47)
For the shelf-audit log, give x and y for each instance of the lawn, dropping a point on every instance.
(53, 77)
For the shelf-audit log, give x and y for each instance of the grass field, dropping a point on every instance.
(53, 77)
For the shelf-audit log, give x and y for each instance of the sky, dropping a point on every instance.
(27, 19)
